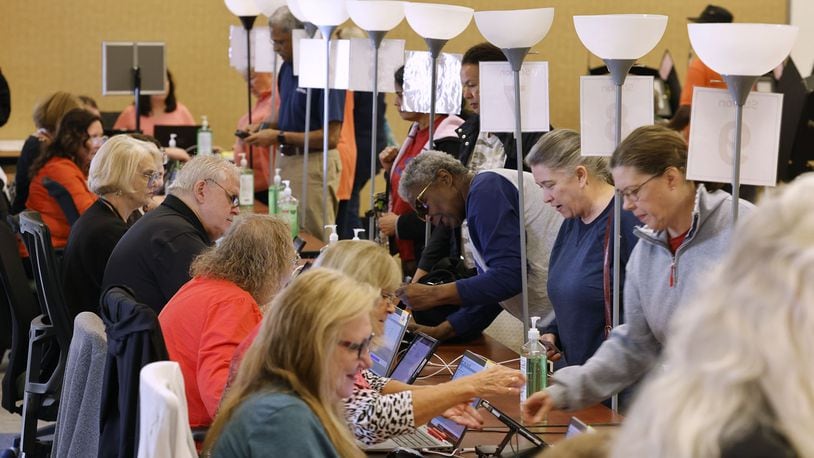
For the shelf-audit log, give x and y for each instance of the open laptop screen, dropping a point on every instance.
(383, 355)
(443, 427)
(413, 361)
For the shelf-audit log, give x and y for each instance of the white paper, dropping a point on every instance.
(418, 81)
(296, 36)
(497, 97)
(712, 137)
(262, 49)
(598, 111)
(312, 63)
(391, 57)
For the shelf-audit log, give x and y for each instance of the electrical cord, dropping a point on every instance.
(444, 366)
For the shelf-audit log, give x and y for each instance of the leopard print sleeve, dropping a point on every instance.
(374, 417)
(376, 383)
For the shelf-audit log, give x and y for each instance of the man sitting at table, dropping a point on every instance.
(154, 256)
(288, 132)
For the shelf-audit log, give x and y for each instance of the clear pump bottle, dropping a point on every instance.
(533, 362)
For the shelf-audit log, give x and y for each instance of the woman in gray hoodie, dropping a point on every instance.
(686, 231)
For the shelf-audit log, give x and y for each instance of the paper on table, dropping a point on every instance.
(598, 111)
(712, 136)
(497, 97)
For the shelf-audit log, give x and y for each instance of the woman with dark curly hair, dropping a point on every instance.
(65, 163)
(156, 109)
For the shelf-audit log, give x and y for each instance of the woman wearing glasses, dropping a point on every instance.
(380, 408)
(125, 173)
(687, 231)
(287, 398)
(65, 166)
(206, 320)
(580, 273)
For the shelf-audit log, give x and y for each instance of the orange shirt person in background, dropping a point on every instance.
(158, 109)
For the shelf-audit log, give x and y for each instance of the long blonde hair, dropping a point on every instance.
(364, 261)
(294, 350)
(739, 356)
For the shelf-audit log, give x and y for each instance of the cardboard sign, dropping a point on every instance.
(262, 49)
(712, 137)
(418, 81)
(312, 63)
(497, 97)
(597, 111)
(391, 57)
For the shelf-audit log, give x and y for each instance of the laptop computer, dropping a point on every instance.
(440, 433)
(394, 328)
(415, 358)
(185, 136)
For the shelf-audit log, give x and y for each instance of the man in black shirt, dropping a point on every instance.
(154, 256)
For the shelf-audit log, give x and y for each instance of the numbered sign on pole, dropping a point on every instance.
(597, 112)
(712, 137)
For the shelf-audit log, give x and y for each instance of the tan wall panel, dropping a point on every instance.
(46, 45)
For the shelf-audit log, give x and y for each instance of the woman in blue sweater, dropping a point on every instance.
(579, 278)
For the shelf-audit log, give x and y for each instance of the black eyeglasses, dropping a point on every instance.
(421, 207)
(632, 194)
(233, 198)
(153, 177)
(359, 347)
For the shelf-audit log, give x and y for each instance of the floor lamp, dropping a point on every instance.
(741, 53)
(437, 24)
(376, 17)
(619, 39)
(528, 27)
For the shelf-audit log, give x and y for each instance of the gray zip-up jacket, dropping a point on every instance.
(657, 282)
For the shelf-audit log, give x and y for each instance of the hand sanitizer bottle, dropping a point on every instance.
(274, 193)
(288, 209)
(533, 362)
(204, 138)
(334, 237)
(356, 233)
(246, 185)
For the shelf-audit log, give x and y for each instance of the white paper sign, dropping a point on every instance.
(312, 63)
(391, 57)
(296, 36)
(262, 49)
(712, 137)
(418, 81)
(597, 111)
(497, 97)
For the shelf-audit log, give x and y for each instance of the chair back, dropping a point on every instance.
(20, 301)
(63, 198)
(47, 275)
(164, 422)
(77, 428)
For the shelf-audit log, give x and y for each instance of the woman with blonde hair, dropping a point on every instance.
(287, 398)
(125, 173)
(205, 321)
(380, 408)
(737, 371)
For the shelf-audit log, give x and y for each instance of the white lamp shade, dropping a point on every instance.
(376, 15)
(243, 7)
(620, 36)
(324, 12)
(437, 21)
(296, 10)
(268, 7)
(742, 49)
(515, 28)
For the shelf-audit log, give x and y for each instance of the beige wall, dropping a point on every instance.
(46, 45)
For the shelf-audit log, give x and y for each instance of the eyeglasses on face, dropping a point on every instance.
(153, 177)
(421, 207)
(390, 298)
(233, 198)
(360, 348)
(632, 194)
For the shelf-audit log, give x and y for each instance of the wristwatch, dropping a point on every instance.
(281, 137)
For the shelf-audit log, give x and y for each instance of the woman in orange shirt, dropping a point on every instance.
(66, 163)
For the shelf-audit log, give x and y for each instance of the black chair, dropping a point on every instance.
(5, 308)
(134, 339)
(63, 198)
(50, 335)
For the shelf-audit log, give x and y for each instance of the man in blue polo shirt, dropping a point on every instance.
(288, 130)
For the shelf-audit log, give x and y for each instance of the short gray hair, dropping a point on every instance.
(282, 20)
(202, 168)
(116, 164)
(560, 150)
(424, 168)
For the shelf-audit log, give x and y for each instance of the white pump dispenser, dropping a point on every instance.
(334, 237)
(533, 362)
(173, 143)
(356, 233)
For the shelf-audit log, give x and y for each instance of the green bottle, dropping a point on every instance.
(533, 362)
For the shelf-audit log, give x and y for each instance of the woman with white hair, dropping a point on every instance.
(737, 371)
(125, 173)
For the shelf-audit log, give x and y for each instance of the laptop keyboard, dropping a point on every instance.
(416, 440)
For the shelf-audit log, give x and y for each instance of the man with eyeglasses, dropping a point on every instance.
(444, 191)
(154, 256)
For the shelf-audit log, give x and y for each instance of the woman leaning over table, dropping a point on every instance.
(687, 230)
(380, 408)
